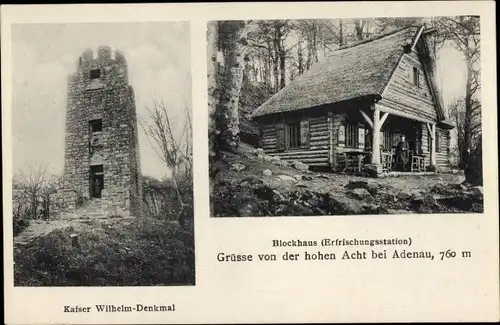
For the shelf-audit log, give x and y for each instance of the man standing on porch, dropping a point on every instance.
(402, 154)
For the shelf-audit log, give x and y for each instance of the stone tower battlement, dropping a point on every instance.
(108, 64)
(101, 142)
(102, 53)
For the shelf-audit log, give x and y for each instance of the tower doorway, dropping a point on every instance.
(96, 181)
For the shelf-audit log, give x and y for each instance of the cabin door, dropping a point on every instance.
(96, 181)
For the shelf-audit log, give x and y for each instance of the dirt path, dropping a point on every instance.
(39, 228)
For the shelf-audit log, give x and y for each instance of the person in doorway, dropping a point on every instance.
(402, 154)
(97, 188)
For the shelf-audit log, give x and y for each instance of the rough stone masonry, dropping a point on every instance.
(101, 143)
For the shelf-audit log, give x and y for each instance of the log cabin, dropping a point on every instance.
(349, 111)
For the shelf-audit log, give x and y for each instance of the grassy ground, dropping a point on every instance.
(250, 192)
(139, 252)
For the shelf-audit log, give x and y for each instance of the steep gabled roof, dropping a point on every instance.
(359, 70)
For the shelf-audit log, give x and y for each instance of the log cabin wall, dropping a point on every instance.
(443, 152)
(408, 90)
(314, 143)
(327, 139)
(267, 132)
(442, 148)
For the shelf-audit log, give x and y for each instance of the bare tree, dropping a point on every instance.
(172, 148)
(387, 24)
(33, 179)
(363, 28)
(21, 202)
(456, 112)
(463, 33)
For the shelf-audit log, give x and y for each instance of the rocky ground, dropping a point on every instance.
(137, 252)
(250, 183)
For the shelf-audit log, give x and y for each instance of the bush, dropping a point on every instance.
(161, 200)
(252, 96)
(145, 253)
(474, 166)
(19, 224)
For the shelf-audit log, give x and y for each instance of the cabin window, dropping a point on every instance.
(95, 125)
(293, 135)
(351, 135)
(95, 73)
(416, 77)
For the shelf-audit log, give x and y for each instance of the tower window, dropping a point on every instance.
(95, 73)
(95, 125)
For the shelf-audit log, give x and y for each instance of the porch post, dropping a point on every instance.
(433, 144)
(376, 135)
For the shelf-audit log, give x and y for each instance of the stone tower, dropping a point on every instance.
(101, 144)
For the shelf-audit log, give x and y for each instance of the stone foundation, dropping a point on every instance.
(64, 200)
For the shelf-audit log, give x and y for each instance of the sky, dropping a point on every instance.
(158, 57)
(451, 74)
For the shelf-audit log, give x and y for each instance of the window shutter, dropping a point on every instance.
(280, 136)
(341, 136)
(304, 133)
(361, 137)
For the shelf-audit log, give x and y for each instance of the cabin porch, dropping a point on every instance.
(371, 136)
(346, 138)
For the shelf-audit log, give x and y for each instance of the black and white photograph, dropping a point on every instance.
(345, 116)
(102, 188)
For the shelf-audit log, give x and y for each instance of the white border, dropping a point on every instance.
(460, 290)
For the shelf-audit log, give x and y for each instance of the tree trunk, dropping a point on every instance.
(235, 33)
(468, 112)
(212, 48)
(341, 33)
(471, 154)
(358, 27)
(212, 64)
(282, 56)
(300, 55)
(474, 169)
(269, 66)
(276, 64)
(315, 42)
(34, 205)
(309, 50)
